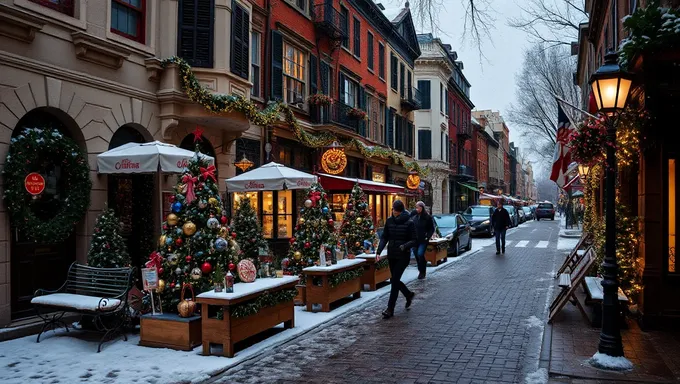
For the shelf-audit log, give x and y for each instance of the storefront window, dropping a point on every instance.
(268, 214)
(338, 206)
(671, 215)
(285, 211)
(239, 195)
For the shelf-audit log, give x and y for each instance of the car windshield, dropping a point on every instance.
(545, 206)
(477, 211)
(509, 208)
(526, 209)
(445, 221)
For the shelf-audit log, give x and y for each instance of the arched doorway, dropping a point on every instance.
(131, 197)
(204, 145)
(42, 265)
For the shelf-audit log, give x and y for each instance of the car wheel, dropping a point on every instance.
(469, 245)
(552, 218)
(456, 248)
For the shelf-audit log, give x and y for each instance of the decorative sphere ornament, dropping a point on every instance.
(350, 205)
(247, 271)
(189, 228)
(233, 235)
(297, 255)
(196, 273)
(160, 271)
(161, 240)
(351, 213)
(213, 201)
(161, 286)
(178, 231)
(202, 204)
(302, 220)
(172, 199)
(359, 220)
(308, 203)
(172, 219)
(232, 266)
(224, 232)
(176, 206)
(223, 220)
(292, 240)
(220, 244)
(206, 268)
(213, 223)
(357, 244)
(178, 242)
(188, 258)
(308, 244)
(178, 271)
(324, 210)
(331, 222)
(172, 259)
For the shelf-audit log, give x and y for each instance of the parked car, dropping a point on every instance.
(479, 217)
(513, 214)
(457, 230)
(528, 212)
(521, 215)
(544, 211)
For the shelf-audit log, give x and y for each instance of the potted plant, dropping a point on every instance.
(356, 113)
(218, 278)
(320, 99)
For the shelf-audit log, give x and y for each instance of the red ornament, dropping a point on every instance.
(231, 266)
(172, 198)
(188, 258)
(292, 240)
(206, 268)
(160, 271)
(165, 227)
(178, 241)
(233, 235)
(308, 244)
(223, 219)
(331, 222)
(172, 285)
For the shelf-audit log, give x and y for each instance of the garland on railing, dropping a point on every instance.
(221, 103)
(265, 300)
(383, 263)
(649, 29)
(338, 278)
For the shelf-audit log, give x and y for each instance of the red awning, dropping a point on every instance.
(339, 183)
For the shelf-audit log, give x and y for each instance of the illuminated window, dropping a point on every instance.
(293, 74)
(671, 215)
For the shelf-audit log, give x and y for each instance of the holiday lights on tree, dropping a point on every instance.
(357, 224)
(249, 232)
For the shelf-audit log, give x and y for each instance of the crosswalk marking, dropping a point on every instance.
(542, 244)
(508, 242)
(522, 244)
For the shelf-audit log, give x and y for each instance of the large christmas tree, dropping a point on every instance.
(357, 224)
(315, 228)
(249, 232)
(108, 249)
(195, 236)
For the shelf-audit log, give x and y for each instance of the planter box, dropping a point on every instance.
(433, 256)
(301, 297)
(325, 294)
(170, 331)
(372, 275)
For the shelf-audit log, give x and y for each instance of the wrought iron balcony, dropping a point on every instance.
(410, 99)
(330, 21)
(336, 114)
(465, 131)
(464, 170)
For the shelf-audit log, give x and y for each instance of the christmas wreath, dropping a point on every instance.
(588, 143)
(32, 151)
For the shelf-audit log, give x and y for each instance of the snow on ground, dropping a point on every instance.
(601, 360)
(534, 321)
(62, 358)
(538, 377)
(565, 243)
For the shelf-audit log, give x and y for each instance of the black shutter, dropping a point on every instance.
(277, 66)
(390, 127)
(424, 144)
(398, 135)
(357, 38)
(381, 61)
(195, 37)
(325, 78)
(362, 106)
(240, 41)
(341, 87)
(402, 76)
(369, 47)
(409, 86)
(424, 87)
(411, 130)
(313, 74)
(394, 68)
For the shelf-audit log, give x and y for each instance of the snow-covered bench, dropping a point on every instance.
(101, 293)
(595, 295)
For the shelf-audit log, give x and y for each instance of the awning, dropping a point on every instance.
(339, 183)
(270, 177)
(470, 187)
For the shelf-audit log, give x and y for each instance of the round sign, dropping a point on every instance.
(34, 183)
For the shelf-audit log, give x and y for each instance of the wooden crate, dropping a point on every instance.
(170, 331)
(433, 256)
(372, 275)
(301, 297)
(325, 294)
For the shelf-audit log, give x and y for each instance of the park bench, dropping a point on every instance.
(569, 281)
(101, 293)
(594, 296)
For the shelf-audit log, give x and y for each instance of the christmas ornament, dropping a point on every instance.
(297, 255)
(172, 285)
(302, 220)
(213, 223)
(189, 228)
(231, 266)
(172, 259)
(188, 258)
(247, 271)
(178, 271)
(176, 207)
(357, 244)
(172, 219)
(308, 203)
(161, 286)
(331, 222)
(178, 242)
(292, 240)
(233, 235)
(220, 244)
(160, 271)
(350, 205)
(213, 201)
(165, 227)
(202, 204)
(359, 220)
(206, 268)
(172, 199)
(186, 308)
(161, 240)
(223, 220)
(324, 210)
(196, 273)
(224, 232)
(308, 244)
(351, 213)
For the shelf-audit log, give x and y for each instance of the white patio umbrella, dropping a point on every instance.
(270, 177)
(153, 157)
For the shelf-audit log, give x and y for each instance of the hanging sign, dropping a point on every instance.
(149, 279)
(412, 181)
(378, 177)
(334, 161)
(34, 183)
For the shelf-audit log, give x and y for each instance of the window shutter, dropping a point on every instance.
(394, 69)
(424, 87)
(424, 144)
(341, 87)
(381, 61)
(313, 75)
(390, 127)
(402, 77)
(277, 66)
(362, 105)
(399, 134)
(409, 86)
(411, 137)
(240, 41)
(357, 38)
(325, 79)
(369, 47)
(195, 37)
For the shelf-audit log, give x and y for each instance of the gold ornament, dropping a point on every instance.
(224, 232)
(297, 255)
(302, 220)
(172, 259)
(161, 286)
(161, 240)
(189, 228)
(213, 201)
(359, 220)
(172, 219)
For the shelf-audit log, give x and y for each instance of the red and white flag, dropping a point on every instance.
(562, 157)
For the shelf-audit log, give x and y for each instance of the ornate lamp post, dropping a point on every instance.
(611, 87)
(583, 171)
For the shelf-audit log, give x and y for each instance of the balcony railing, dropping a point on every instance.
(464, 170)
(465, 131)
(336, 114)
(329, 20)
(411, 99)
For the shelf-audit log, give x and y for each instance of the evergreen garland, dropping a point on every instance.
(651, 28)
(108, 249)
(383, 263)
(265, 300)
(33, 150)
(338, 278)
(248, 232)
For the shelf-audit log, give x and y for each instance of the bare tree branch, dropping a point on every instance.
(551, 21)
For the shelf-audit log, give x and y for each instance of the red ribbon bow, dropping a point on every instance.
(155, 260)
(189, 181)
(208, 172)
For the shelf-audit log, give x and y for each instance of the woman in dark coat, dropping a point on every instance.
(424, 228)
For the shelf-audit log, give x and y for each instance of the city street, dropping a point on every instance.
(481, 320)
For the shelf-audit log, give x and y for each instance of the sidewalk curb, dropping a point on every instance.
(325, 324)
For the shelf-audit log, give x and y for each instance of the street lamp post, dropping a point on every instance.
(611, 87)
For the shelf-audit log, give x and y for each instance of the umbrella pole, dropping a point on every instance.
(160, 200)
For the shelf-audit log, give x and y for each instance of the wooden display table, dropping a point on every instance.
(434, 256)
(318, 281)
(372, 275)
(230, 329)
(168, 330)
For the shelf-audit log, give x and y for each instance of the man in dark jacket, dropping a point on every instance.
(500, 220)
(400, 232)
(424, 228)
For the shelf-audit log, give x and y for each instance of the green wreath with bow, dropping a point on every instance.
(31, 151)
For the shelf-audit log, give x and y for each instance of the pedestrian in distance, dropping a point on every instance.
(500, 220)
(424, 229)
(399, 234)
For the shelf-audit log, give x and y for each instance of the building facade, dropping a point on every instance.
(499, 146)
(480, 150)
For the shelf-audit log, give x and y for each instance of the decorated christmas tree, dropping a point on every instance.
(108, 249)
(195, 237)
(357, 224)
(315, 228)
(249, 232)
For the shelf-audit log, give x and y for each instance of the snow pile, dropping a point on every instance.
(534, 321)
(564, 243)
(538, 377)
(603, 361)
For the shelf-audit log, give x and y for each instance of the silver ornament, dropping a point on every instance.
(196, 273)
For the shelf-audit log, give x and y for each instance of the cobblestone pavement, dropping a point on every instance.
(480, 320)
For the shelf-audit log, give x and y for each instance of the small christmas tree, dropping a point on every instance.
(249, 232)
(315, 228)
(108, 248)
(357, 224)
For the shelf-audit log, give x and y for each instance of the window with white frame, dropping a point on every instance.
(350, 95)
(255, 63)
(293, 74)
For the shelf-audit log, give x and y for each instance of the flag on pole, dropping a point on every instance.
(562, 156)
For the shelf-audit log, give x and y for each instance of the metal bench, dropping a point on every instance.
(101, 293)
(595, 295)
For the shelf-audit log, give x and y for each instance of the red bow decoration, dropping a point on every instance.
(155, 260)
(189, 181)
(208, 172)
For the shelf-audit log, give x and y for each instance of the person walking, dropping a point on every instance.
(399, 234)
(500, 220)
(424, 229)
